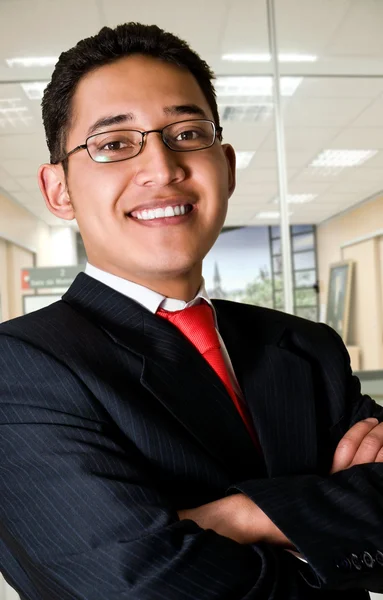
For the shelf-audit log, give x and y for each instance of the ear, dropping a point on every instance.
(53, 187)
(230, 159)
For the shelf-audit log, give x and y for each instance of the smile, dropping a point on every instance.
(162, 213)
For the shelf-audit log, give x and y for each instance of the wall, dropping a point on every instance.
(26, 241)
(366, 310)
(21, 227)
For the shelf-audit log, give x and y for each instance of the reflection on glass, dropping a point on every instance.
(277, 264)
(238, 266)
(309, 312)
(303, 242)
(278, 282)
(305, 297)
(304, 260)
(305, 278)
(301, 229)
(276, 246)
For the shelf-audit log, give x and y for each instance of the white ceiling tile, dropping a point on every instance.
(256, 176)
(312, 176)
(364, 174)
(29, 184)
(199, 22)
(266, 159)
(307, 25)
(303, 139)
(45, 27)
(246, 27)
(245, 136)
(323, 112)
(337, 199)
(364, 188)
(359, 138)
(339, 87)
(9, 184)
(31, 146)
(23, 197)
(361, 30)
(372, 116)
(300, 185)
(17, 168)
(266, 189)
(240, 200)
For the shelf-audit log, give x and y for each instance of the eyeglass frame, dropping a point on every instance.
(217, 134)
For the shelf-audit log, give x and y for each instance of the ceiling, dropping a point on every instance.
(337, 103)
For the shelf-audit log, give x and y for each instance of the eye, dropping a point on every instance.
(187, 135)
(114, 146)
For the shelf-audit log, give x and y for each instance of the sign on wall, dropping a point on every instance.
(49, 277)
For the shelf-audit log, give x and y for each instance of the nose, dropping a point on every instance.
(157, 165)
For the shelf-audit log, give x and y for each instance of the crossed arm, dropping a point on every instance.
(83, 518)
(240, 519)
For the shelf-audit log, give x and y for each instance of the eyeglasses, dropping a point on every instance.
(123, 144)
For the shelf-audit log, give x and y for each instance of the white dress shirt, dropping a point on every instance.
(153, 301)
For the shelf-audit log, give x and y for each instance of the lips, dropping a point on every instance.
(163, 203)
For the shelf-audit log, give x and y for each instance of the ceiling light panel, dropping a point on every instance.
(257, 86)
(14, 112)
(272, 214)
(35, 89)
(243, 158)
(342, 158)
(298, 198)
(32, 61)
(245, 111)
(265, 58)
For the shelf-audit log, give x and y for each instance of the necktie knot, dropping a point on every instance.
(197, 324)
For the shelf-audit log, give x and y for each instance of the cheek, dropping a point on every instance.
(96, 193)
(212, 177)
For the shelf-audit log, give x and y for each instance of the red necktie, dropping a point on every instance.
(197, 324)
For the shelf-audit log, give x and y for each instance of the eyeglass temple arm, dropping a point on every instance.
(80, 147)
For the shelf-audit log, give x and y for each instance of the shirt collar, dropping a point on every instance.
(146, 297)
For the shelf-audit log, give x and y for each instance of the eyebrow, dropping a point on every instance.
(175, 110)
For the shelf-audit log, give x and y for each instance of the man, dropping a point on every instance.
(136, 464)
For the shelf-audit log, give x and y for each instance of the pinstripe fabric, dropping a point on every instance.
(102, 441)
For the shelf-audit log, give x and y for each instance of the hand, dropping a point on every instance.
(363, 443)
(238, 518)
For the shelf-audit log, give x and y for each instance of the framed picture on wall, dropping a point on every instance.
(339, 296)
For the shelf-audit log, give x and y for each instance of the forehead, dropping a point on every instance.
(137, 84)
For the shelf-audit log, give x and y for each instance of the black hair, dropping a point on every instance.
(108, 46)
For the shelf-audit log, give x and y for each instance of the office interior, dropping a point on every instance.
(321, 84)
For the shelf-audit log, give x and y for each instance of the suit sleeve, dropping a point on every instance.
(335, 522)
(80, 518)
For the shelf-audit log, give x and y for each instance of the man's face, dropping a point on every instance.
(152, 94)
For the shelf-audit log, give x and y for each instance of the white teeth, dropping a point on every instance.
(160, 213)
(169, 212)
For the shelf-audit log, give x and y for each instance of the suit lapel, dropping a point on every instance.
(277, 384)
(174, 372)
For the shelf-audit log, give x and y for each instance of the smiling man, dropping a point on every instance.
(156, 444)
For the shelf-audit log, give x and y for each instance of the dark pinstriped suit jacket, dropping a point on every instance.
(110, 421)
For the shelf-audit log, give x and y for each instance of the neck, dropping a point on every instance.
(182, 287)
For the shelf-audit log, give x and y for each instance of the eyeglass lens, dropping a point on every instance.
(184, 136)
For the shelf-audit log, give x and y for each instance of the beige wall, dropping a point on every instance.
(366, 308)
(22, 236)
(21, 227)
(4, 302)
